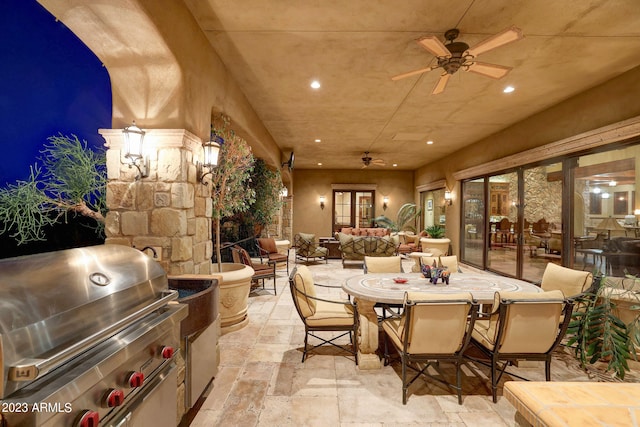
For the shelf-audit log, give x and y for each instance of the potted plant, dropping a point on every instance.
(605, 324)
(231, 194)
(435, 243)
(405, 219)
(435, 231)
(267, 185)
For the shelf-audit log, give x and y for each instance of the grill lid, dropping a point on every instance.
(55, 305)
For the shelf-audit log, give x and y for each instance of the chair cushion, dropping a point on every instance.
(569, 281)
(429, 260)
(331, 314)
(392, 264)
(438, 323)
(308, 237)
(303, 281)
(451, 262)
(268, 245)
(529, 327)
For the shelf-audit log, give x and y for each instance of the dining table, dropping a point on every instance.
(390, 288)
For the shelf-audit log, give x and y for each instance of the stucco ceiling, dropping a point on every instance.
(275, 48)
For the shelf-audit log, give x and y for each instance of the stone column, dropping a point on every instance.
(169, 211)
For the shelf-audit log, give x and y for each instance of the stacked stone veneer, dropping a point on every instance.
(281, 227)
(169, 210)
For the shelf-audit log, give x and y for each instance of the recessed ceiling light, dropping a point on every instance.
(612, 183)
(318, 140)
(395, 165)
(508, 89)
(429, 142)
(319, 164)
(315, 84)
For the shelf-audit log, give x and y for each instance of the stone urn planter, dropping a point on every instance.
(436, 247)
(234, 295)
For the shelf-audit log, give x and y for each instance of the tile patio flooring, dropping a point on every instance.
(262, 382)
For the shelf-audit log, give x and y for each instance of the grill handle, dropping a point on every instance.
(30, 369)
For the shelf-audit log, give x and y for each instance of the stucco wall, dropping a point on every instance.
(309, 185)
(164, 73)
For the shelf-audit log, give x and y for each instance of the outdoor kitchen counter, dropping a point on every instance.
(541, 403)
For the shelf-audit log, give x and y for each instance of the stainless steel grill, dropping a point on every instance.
(87, 338)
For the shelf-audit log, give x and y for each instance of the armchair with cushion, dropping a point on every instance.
(322, 314)
(267, 249)
(521, 326)
(392, 264)
(307, 248)
(261, 271)
(433, 328)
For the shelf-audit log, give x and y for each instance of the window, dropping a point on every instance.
(353, 208)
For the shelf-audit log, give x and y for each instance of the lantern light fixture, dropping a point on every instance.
(133, 149)
(448, 198)
(211, 150)
(321, 202)
(385, 202)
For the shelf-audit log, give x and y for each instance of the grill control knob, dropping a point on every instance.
(88, 419)
(167, 352)
(114, 398)
(136, 379)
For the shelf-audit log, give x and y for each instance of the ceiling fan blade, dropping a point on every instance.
(379, 162)
(412, 73)
(504, 37)
(490, 70)
(442, 83)
(433, 45)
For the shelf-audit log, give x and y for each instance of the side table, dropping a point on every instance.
(332, 245)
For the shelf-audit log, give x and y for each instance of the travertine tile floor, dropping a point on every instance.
(262, 382)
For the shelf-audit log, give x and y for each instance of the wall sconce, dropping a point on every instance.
(448, 199)
(385, 203)
(211, 153)
(321, 202)
(133, 152)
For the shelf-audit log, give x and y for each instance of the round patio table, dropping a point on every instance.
(369, 289)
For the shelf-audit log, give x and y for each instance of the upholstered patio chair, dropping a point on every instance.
(322, 314)
(570, 282)
(307, 249)
(387, 264)
(433, 329)
(261, 273)
(521, 326)
(267, 249)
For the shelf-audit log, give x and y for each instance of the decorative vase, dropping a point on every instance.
(234, 295)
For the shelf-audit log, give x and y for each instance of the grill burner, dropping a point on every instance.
(88, 336)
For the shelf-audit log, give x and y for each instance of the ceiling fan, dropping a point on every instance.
(368, 160)
(453, 56)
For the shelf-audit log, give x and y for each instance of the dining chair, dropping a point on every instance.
(433, 329)
(261, 273)
(570, 282)
(449, 261)
(387, 264)
(322, 314)
(267, 248)
(521, 326)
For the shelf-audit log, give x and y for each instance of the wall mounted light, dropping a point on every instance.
(385, 202)
(321, 202)
(133, 149)
(448, 198)
(211, 151)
